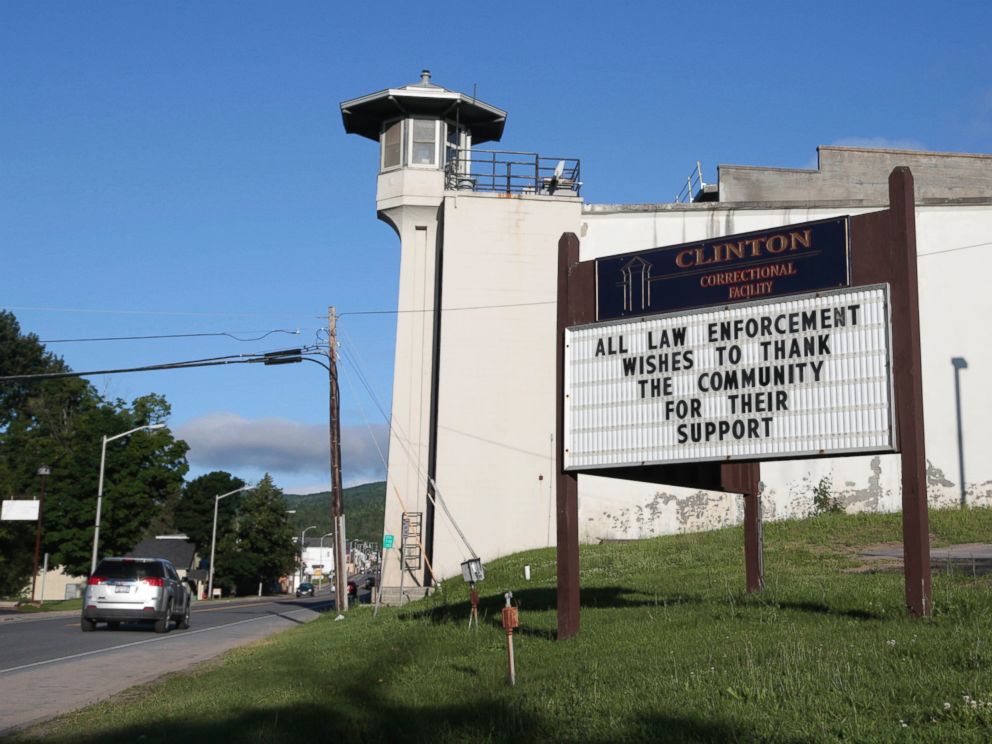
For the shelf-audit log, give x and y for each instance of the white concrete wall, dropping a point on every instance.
(410, 202)
(497, 400)
(497, 373)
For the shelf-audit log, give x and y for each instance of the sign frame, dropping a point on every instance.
(882, 250)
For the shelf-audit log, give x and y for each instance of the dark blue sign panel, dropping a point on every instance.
(787, 260)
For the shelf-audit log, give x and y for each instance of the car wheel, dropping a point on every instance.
(162, 625)
(87, 625)
(183, 623)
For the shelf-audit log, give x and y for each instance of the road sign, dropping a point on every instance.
(387, 541)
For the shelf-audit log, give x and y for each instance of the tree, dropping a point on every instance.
(34, 419)
(260, 548)
(194, 512)
(60, 423)
(140, 473)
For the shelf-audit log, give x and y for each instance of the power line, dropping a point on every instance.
(101, 311)
(446, 309)
(173, 335)
(272, 357)
(957, 248)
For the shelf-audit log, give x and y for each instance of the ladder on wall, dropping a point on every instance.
(411, 541)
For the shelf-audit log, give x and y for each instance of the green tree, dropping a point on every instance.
(35, 417)
(194, 512)
(260, 548)
(140, 473)
(60, 423)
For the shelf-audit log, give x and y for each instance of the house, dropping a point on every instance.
(181, 552)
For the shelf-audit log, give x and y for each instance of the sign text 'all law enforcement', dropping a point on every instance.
(803, 376)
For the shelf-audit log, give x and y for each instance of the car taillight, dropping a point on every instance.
(94, 580)
(153, 581)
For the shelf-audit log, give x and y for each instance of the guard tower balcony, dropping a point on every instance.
(427, 135)
(509, 172)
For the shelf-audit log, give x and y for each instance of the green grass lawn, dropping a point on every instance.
(53, 606)
(671, 649)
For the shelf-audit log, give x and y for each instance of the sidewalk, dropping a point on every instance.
(976, 557)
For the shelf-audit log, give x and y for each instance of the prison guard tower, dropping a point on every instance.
(473, 225)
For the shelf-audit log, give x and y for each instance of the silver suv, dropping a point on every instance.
(135, 590)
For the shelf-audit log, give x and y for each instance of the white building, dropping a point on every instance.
(474, 381)
(318, 561)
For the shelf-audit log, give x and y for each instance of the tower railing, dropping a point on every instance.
(509, 172)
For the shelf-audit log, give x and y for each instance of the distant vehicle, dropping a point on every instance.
(305, 588)
(135, 590)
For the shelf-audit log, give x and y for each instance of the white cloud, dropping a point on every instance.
(227, 441)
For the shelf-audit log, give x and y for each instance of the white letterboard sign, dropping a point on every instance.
(804, 376)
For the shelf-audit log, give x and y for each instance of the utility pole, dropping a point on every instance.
(340, 560)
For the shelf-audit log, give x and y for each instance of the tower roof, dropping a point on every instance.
(366, 114)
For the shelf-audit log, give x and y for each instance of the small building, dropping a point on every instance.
(181, 552)
(318, 561)
(55, 584)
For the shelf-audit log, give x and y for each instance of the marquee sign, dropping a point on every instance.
(773, 379)
(788, 260)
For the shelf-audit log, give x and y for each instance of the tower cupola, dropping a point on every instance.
(421, 125)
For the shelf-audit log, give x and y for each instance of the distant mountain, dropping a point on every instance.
(364, 509)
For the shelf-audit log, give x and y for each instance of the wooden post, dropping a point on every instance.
(906, 359)
(883, 249)
(745, 478)
(567, 490)
(337, 508)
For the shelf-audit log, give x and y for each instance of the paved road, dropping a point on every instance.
(48, 666)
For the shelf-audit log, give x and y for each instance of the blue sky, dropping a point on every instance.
(181, 167)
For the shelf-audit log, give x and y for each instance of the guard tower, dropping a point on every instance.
(481, 212)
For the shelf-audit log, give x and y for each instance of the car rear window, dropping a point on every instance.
(129, 569)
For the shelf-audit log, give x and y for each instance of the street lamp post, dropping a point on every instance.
(99, 492)
(960, 363)
(322, 551)
(43, 473)
(302, 547)
(213, 538)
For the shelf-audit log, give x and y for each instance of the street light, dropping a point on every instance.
(43, 472)
(959, 364)
(213, 539)
(302, 535)
(99, 492)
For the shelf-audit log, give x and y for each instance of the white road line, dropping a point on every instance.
(141, 643)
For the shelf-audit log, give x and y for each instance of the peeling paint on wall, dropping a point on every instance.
(870, 484)
(865, 499)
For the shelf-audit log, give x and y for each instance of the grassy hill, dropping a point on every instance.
(364, 507)
(670, 649)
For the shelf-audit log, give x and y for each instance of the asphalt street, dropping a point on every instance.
(49, 666)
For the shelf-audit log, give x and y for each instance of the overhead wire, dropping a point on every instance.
(205, 362)
(173, 335)
(446, 309)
